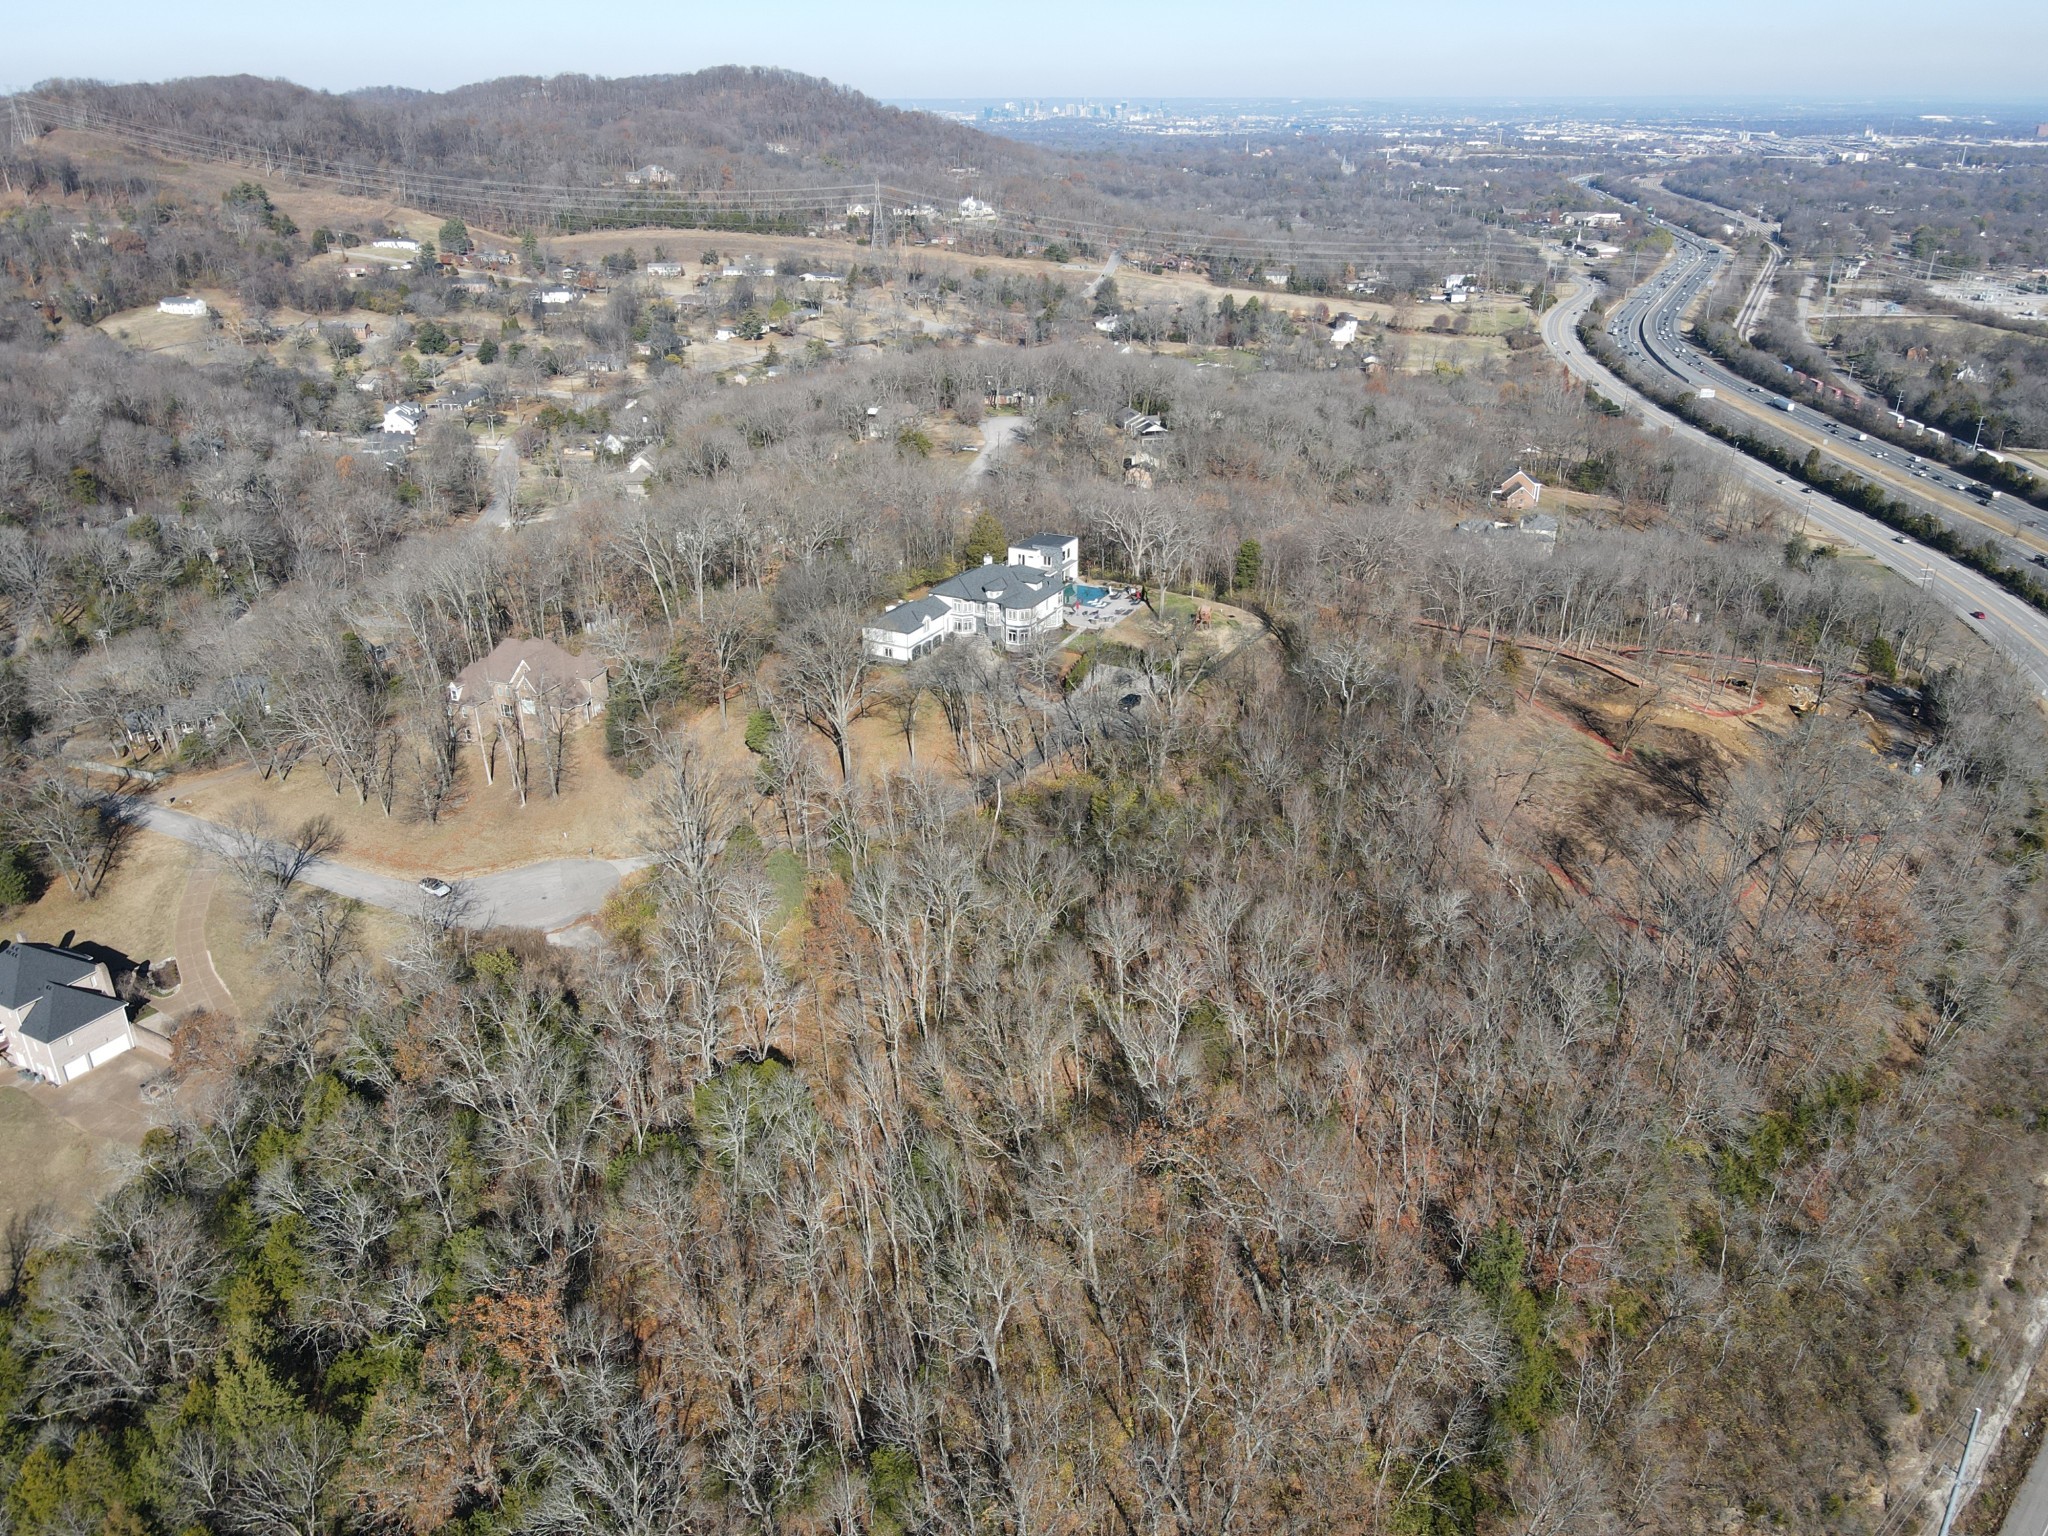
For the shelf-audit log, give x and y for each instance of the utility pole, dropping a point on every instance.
(1955, 1493)
(1978, 441)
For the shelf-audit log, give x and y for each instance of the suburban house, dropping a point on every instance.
(59, 1017)
(404, 418)
(534, 681)
(559, 296)
(395, 243)
(974, 210)
(1008, 604)
(181, 304)
(664, 269)
(1343, 330)
(465, 398)
(1059, 553)
(1138, 423)
(905, 631)
(650, 176)
(1519, 492)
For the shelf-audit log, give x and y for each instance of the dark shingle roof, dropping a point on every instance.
(27, 971)
(64, 1009)
(1014, 586)
(908, 618)
(1053, 541)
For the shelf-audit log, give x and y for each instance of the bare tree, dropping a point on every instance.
(824, 672)
(732, 631)
(265, 866)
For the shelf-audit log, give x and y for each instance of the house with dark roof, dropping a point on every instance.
(1007, 605)
(534, 682)
(1519, 492)
(59, 1017)
(902, 632)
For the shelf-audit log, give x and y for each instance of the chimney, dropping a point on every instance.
(988, 559)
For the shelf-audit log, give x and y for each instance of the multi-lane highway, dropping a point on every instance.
(1649, 327)
(2013, 627)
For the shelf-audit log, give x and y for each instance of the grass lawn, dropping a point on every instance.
(47, 1160)
(134, 911)
(488, 829)
(786, 869)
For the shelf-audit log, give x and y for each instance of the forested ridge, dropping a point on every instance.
(1529, 1037)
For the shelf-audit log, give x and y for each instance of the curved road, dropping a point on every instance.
(2013, 627)
(547, 895)
(1647, 325)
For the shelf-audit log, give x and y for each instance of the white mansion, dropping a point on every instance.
(1006, 604)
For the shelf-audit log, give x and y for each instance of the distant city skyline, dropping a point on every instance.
(1780, 50)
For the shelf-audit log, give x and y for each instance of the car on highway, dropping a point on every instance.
(1977, 613)
(436, 887)
(1898, 538)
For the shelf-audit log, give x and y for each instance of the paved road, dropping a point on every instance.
(1109, 267)
(504, 487)
(547, 895)
(2014, 628)
(996, 432)
(2028, 1515)
(1649, 326)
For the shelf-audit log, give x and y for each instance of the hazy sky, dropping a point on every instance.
(1368, 49)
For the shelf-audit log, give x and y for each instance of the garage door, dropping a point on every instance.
(77, 1068)
(111, 1049)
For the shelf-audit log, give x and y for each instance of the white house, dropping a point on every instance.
(975, 211)
(1343, 331)
(396, 243)
(1059, 553)
(181, 304)
(559, 296)
(820, 277)
(1006, 604)
(664, 269)
(1109, 325)
(404, 418)
(650, 176)
(59, 1017)
(905, 631)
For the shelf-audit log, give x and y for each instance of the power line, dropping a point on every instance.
(556, 203)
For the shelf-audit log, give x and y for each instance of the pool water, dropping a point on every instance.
(1085, 594)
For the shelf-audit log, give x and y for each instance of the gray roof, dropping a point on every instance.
(1054, 541)
(908, 618)
(62, 1010)
(27, 971)
(1014, 586)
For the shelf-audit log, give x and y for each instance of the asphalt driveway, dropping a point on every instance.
(548, 895)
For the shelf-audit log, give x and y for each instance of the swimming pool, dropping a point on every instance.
(1078, 593)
